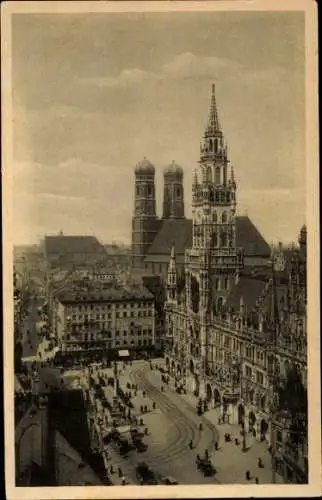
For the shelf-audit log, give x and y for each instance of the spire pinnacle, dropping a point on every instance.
(173, 254)
(213, 121)
(232, 174)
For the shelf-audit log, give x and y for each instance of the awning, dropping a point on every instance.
(124, 353)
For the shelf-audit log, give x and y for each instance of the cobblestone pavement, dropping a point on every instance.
(232, 462)
(172, 425)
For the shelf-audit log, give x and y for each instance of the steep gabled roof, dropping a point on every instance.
(250, 239)
(248, 288)
(178, 232)
(62, 244)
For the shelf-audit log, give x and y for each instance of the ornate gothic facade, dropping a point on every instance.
(234, 337)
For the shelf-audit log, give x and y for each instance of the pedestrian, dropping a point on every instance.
(256, 480)
(248, 475)
(200, 427)
(216, 446)
(120, 472)
(260, 463)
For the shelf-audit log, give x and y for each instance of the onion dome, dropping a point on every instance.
(173, 170)
(144, 167)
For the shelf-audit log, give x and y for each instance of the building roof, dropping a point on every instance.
(70, 466)
(248, 288)
(99, 294)
(250, 239)
(178, 232)
(62, 244)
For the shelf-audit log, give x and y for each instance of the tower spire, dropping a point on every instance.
(213, 125)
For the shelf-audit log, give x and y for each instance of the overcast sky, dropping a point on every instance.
(94, 94)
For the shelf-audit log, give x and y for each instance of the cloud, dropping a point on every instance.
(60, 197)
(189, 65)
(125, 77)
(185, 65)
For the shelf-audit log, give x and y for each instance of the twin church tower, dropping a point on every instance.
(213, 222)
(145, 223)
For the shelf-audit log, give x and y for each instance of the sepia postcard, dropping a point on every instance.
(161, 249)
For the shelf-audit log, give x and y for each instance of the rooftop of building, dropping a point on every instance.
(248, 288)
(65, 244)
(178, 232)
(91, 293)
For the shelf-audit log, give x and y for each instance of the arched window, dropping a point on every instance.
(214, 217)
(210, 145)
(220, 303)
(216, 145)
(178, 192)
(217, 175)
(224, 218)
(137, 189)
(217, 284)
(223, 240)
(226, 283)
(215, 239)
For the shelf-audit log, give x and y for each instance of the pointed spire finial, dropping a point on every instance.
(232, 175)
(172, 250)
(213, 122)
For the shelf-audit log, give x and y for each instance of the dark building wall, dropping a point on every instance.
(144, 230)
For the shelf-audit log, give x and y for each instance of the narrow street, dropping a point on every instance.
(30, 336)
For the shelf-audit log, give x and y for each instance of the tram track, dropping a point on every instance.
(186, 429)
(185, 432)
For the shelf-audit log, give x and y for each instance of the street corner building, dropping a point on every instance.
(235, 325)
(90, 316)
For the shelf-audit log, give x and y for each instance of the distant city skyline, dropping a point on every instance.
(93, 94)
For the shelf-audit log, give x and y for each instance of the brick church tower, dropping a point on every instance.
(173, 194)
(145, 224)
